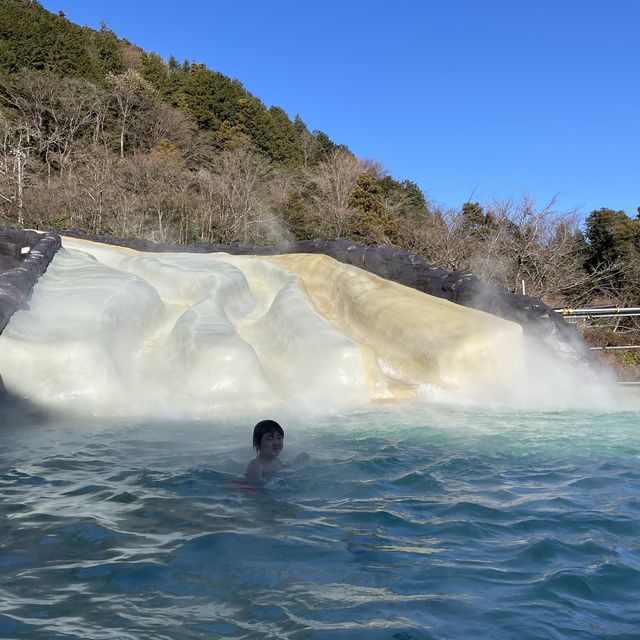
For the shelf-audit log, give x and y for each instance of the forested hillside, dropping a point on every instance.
(99, 135)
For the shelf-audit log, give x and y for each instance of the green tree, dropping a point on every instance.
(287, 147)
(611, 235)
(8, 59)
(156, 71)
(230, 137)
(372, 220)
(415, 197)
(210, 98)
(253, 116)
(41, 40)
(473, 215)
(323, 148)
(109, 58)
(405, 197)
(300, 217)
(68, 56)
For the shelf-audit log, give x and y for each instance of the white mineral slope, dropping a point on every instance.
(417, 338)
(113, 331)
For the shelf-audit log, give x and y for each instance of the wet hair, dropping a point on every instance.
(265, 426)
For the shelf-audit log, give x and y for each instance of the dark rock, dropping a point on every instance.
(24, 257)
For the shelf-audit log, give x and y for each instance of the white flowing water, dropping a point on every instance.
(115, 332)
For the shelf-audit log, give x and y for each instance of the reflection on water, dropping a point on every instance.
(424, 522)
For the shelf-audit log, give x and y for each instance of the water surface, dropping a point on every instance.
(414, 523)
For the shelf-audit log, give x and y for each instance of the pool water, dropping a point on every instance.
(426, 521)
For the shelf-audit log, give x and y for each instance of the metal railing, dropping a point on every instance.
(626, 346)
(603, 312)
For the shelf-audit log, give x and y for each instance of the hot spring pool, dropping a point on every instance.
(422, 522)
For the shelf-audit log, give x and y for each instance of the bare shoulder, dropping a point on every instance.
(254, 471)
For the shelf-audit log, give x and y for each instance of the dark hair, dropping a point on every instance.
(265, 426)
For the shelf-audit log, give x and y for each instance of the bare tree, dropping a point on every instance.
(94, 190)
(535, 246)
(516, 242)
(54, 113)
(14, 163)
(134, 98)
(235, 205)
(333, 182)
(440, 239)
(164, 123)
(308, 145)
(153, 185)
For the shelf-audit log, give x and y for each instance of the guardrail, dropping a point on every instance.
(626, 346)
(603, 312)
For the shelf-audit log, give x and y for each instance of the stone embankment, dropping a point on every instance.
(24, 257)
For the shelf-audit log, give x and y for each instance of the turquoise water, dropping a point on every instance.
(414, 523)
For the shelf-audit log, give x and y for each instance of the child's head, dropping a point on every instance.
(263, 427)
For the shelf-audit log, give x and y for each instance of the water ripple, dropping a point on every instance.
(379, 537)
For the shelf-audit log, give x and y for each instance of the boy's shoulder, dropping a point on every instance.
(254, 470)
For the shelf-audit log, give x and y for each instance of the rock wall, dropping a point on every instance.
(24, 257)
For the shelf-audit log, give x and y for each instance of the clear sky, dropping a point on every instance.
(471, 99)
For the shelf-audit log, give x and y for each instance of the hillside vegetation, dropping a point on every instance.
(102, 136)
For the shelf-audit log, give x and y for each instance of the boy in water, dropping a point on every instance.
(268, 441)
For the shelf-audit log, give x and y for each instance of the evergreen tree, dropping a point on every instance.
(230, 137)
(302, 128)
(373, 222)
(67, 56)
(34, 38)
(8, 59)
(109, 58)
(473, 215)
(322, 149)
(299, 216)
(42, 40)
(407, 196)
(154, 70)
(253, 116)
(210, 98)
(416, 199)
(287, 148)
(611, 235)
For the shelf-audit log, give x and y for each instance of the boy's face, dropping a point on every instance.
(271, 444)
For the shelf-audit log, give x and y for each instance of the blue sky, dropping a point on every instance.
(471, 99)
